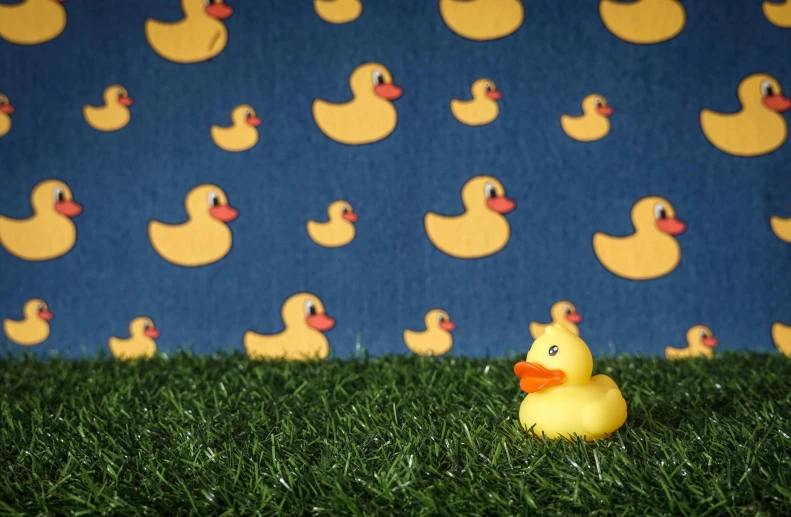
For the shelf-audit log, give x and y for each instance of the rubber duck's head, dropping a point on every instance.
(117, 94)
(764, 91)
(700, 335)
(656, 213)
(54, 197)
(215, 8)
(37, 308)
(486, 89)
(374, 79)
(439, 319)
(557, 357)
(342, 211)
(5, 105)
(143, 326)
(306, 310)
(564, 310)
(596, 104)
(486, 193)
(209, 202)
(245, 114)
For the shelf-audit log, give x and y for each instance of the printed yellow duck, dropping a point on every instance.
(700, 341)
(652, 251)
(49, 233)
(593, 124)
(781, 335)
(33, 328)
(563, 313)
(199, 36)
(140, 344)
(643, 22)
(781, 226)
(778, 13)
(242, 134)
(563, 399)
(758, 128)
(32, 22)
(436, 339)
(205, 237)
(482, 109)
(482, 229)
(339, 230)
(482, 20)
(114, 114)
(370, 116)
(303, 338)
(6, 109)
(338, 11)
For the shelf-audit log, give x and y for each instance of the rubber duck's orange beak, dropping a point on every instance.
(535, 377)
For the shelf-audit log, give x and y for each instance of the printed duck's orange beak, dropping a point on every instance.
(535, 377)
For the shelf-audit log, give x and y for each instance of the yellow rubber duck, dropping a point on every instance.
(778, 13)
(564, 400)
(32, 22)
(563, 313)
(370, 116)
(701, 343)
(33, 328)
(339, 230)
(242, 134)
(6, 109)
(482, 229)
(205, 237)
(643, 22)
(141, 343)
(114, 114)
(338, 11)
(303, 338)
(49, 233)
(482, 109)
(652, 250)
(436, 339)
(593, 124)
(199, 36)
(482, 20)
(781, 226)
(781, 335)
(758, 128)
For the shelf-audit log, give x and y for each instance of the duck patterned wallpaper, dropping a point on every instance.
(333, 177)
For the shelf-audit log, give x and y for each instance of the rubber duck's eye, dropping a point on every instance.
(489, 191)
(766, 89)
(310, 308)
(378, 78)
(659, 211)
(58, 195)
(553, 350)
(213, 200)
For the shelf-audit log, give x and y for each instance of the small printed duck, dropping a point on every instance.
(33, 328)
(114, 114)
(242, 134)
(483, 108)
(701, 343)
(339, 230)
(562, 313)
(436, 339)
(141, 343)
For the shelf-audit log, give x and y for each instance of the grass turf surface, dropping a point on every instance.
(391, 436)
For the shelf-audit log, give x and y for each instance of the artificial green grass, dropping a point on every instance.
(391, 436)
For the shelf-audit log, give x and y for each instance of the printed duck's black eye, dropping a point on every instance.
(490, 191)
(553, 350)
(378, 78)
(59, 195)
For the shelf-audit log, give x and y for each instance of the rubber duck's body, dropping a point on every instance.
(482, 20)
(564, 400)
(302, 339)
(755, 130)
(141, 343)
(643, 22)
(205, 237)
(49, 233)
(339, 230)
(338, 11)
(482, 109)
(370, 116)
(6, 109)
(436, 339)
(242, 134)
(563, 313)
(781, 226)
(32, 22)
(114, 115)
(700, 341)
(652, 250)
(593, 124)
(482, 230)
(33, 328)
(781, 336)
(199, 36)
(778, 13)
